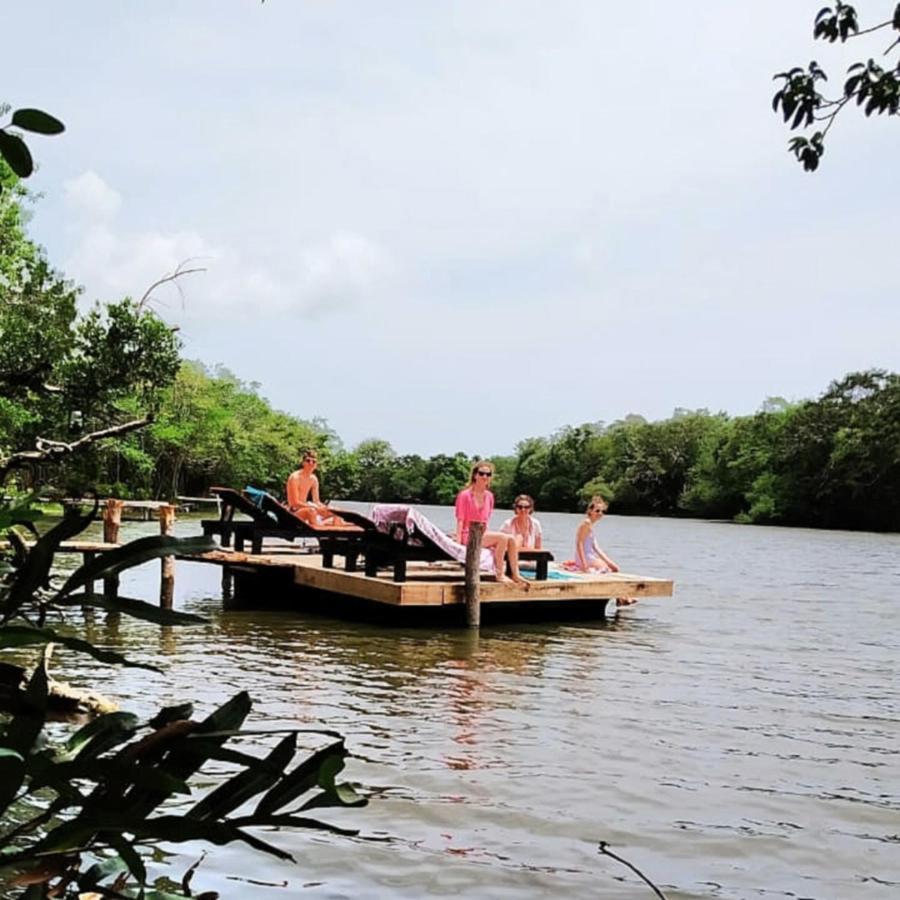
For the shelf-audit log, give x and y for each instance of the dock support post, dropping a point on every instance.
(473, 575)
(112, 519)
(167, 564)
(89, 586)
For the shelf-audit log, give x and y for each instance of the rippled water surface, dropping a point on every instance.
(739, 740)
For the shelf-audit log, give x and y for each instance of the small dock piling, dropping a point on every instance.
(473, 574)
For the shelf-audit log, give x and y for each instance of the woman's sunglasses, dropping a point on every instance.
(522, 506)
(484, 473)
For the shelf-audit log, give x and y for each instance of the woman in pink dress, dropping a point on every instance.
(475, 503)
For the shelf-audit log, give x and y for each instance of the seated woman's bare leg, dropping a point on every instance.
(498, 542)
(512, 551)
(504, 547)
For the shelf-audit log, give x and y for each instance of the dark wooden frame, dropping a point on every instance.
(274, 519)
(395, 549)
(399, 547)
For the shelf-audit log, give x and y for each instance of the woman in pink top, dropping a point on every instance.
(475, 503)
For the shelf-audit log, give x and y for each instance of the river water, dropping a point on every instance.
(738, 740)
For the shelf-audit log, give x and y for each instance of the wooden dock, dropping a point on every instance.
(287, 577)
(429, 586)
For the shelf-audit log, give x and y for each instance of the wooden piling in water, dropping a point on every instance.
(473, 575)
(167, 564)
(112, 519)
(88, 558)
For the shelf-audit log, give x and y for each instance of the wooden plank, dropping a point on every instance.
(350, 584)
(433, 592)
(238, 557)
(438, 585)
(73, 546)
(594, 588)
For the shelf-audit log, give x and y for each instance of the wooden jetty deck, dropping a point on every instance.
(286, 577)
(430, 585)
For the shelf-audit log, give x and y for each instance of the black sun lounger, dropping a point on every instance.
(399, 547)
(267, 517)
(227, 527)
(344, 540)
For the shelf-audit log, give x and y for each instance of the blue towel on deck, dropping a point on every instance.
(552, 575)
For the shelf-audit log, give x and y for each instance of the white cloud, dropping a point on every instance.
(339, 272)
(92, 198)
(325, 277)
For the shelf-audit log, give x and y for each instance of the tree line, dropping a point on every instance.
(831, 462)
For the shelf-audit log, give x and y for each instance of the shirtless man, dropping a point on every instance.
(303, 494)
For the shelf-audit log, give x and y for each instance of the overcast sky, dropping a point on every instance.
(457, 224)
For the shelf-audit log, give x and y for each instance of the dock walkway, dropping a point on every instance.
(434, 584)
(284, 575)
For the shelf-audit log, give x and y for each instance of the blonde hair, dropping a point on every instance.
(597, 502)
(481, 462)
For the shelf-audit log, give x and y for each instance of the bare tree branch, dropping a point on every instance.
(604, 849)
(869, 30)
(171, 278)
(47, 450)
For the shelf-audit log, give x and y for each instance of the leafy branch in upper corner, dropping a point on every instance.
(873, 87)
(75, 815)
(13, 147)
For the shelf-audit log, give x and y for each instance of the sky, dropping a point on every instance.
(457, 225)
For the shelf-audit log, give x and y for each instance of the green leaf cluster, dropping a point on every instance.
(13, 148)
(75, 816)
(64, 373)
(875, 88)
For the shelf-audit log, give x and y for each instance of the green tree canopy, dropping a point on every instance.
(63, 375)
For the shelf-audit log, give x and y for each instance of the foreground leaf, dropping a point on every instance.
(112, 562)
(137, 609)
(16, 153)
(36, 568)
(22, 734)
(38, 121)
(25, 635)
(252, 781)
(101, 734)
(306, 776)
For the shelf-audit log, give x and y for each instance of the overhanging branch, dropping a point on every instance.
(47, 450)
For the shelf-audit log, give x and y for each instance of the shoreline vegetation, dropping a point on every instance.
(832, 462)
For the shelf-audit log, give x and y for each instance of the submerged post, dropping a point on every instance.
(473, 574)
(112, 519)
(167, 564)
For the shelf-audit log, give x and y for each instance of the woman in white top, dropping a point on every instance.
(525, 529)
